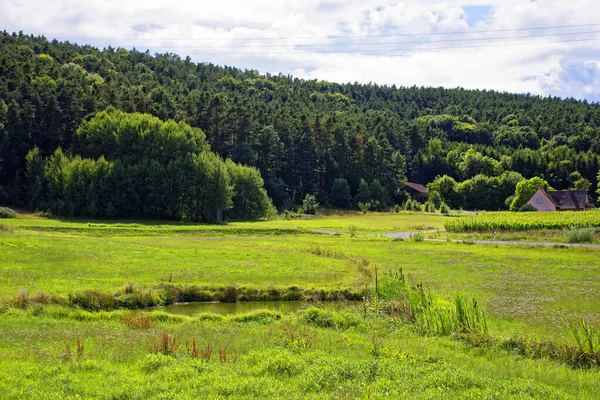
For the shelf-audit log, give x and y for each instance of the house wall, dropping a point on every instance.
(540, 197)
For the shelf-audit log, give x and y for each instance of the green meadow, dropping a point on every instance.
(527, 293)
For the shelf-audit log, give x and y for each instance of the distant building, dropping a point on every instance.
(416, 191)
(560, 200)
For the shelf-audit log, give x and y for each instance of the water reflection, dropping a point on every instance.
(232, 308)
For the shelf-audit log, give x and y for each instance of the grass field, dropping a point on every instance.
(339, 222)
(267, 357)
(526, 292)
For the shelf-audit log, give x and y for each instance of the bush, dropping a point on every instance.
(320, 318)
(430, 207)
(527, 208)
(364, 207)
(6, 212)
(417, 236)
(579, 235)
(309, 205)
(444, 209)
(92, 300)
(340, 194)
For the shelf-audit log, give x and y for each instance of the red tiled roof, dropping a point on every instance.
(416, 186)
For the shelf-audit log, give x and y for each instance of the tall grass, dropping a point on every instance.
(417, 236)
(577, 234)
(587, 337)
(433, 316)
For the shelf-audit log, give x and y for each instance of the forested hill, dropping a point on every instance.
(301, 134)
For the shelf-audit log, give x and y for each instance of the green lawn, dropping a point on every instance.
(340, 222)
(529, 289)
(526, 292)
(267, 357)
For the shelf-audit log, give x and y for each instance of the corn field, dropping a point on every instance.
(523, 221)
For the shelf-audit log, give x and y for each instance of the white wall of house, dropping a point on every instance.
(541, 201)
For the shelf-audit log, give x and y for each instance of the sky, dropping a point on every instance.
(488, 44)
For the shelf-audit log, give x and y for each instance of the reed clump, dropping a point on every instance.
(195, 351)
(166, 345)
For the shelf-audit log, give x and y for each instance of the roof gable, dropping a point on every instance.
(416, 186)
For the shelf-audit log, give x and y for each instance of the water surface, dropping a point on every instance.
(232, 308)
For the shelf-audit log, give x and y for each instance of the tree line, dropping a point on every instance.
(303, 136)
(136, 166)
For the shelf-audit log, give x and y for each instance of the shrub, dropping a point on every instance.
(444, 209)
(430, 207)
(309, 205)
(352, 230)
(42, 297)
(22, 299)
(415, 206)
(364, 207)
(229, 295)
(527, 208)
(579, 235)
(327, 319)
(6, 212)
(262, 316)
(417, 236)
(92, 300)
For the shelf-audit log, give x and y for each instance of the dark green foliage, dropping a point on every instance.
(250, 199)
(379, 195)
(475, 163)
(3, 196)
(434, 201)
(447, 187)
(300, 134)
(187, 183)
(478, 193)
(340, 194)
(488, 193)
(363, 194)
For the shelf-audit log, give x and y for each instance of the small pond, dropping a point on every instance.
(232, 308)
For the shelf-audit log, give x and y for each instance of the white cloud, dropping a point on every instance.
(184, 26)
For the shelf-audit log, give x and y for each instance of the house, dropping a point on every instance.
(417, 191)
(560, 200)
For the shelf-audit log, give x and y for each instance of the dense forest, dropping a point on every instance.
(340, 142)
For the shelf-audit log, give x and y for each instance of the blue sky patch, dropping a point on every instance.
(476, 13)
